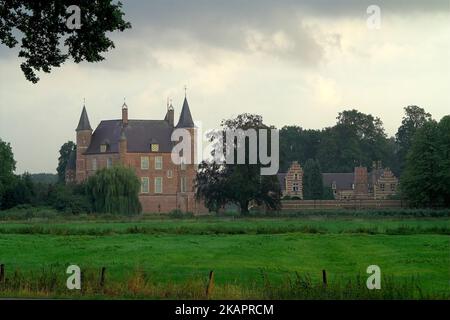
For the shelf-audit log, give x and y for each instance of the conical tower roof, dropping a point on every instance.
(185, 120)
(84, 124)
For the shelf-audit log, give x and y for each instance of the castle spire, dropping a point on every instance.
(84, 124)
(185, 120)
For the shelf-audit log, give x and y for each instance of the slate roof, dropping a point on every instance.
(344, 181)
(140, 134)
(84, 124)
(185, 120)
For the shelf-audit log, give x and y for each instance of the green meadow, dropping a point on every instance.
(244, 253)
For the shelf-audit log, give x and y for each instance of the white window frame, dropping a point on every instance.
(160, 189)
(94, 164)
(103, 147)
(145, 160)
(142, 185)
(158, 163)
(169, 174)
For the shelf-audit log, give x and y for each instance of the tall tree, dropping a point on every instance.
(414, 118)
(312, 181)
(7, 167)
(238, 183)
(64, 155)
(444, 156)
(420, 182)
(45, 28)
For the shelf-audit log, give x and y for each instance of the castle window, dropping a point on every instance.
(109, 162)
(155, 147)
(158, 163)
(382, 186)
(144, 163)
(158, 185)
(392, 187)
(94, 164)
(295, 187)
(144, 185)
(169, 173)
(353, 186)
(295, 176)
(183, 184)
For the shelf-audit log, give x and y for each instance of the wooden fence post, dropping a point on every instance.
(2, 273)
(102, 277)
(210, 287)
(324, 278)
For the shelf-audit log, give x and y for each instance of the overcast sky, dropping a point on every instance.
(293, 62)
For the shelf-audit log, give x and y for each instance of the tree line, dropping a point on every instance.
(419, 155)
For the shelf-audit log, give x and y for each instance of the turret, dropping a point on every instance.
(170, 115)
(185, 122)
(84, 134)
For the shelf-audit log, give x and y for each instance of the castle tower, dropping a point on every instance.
(187, 172)
(84, 134)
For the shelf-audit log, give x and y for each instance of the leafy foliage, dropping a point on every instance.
(425, 180)
(218, 184)
(7, 167)
(64, 155)
(312, 181)
(42, 25)
(414, 119)
(357, 138)
(114, 190)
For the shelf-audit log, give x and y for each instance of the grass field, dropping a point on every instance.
(244, 253)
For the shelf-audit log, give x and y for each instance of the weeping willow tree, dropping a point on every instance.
(115, 190)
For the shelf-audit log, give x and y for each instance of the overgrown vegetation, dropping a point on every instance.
(50, 283)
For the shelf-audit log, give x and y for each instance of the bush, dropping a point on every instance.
(27, 212)
(178, 214)
(68, 199)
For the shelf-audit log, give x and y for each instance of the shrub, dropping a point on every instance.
(178, 214)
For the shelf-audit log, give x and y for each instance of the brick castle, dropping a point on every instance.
(145, 146)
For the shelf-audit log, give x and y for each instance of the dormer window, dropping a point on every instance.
(103, 148)
(155, 147)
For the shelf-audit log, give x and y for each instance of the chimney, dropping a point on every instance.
(361, 182)
(124, 114)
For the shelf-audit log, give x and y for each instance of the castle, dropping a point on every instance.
(380, 183)
(145, 146)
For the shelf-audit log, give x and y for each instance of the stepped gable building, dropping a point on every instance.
(380, 183)
(291, 182)
(145, 146)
